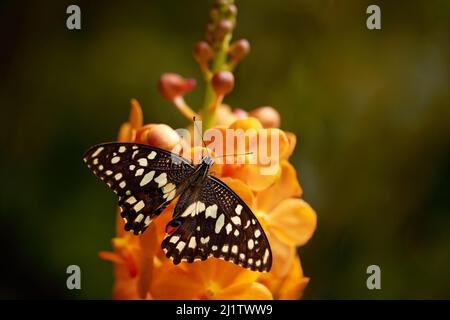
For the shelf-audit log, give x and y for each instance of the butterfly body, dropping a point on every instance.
(209, 219)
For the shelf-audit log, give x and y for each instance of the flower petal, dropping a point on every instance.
(293, 221)
(286, 186)
(245, 291)
(174, 283)
(282, 254)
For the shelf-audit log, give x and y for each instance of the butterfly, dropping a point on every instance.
(209, 218)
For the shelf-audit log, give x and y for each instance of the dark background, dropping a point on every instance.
(370, 110)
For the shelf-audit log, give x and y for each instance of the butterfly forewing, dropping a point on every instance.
(214, 221)
(145, 178)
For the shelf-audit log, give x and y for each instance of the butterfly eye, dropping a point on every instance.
(173, 226)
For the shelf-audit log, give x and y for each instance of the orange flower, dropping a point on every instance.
(289, 287)
(289, 221)
(212, 279)
(265, 181)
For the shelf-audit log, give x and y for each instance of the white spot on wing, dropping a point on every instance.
(257, 233)
(115, 160)
(147, 178)
(238, 209)
(139, 218)
(118, 176)
(204, 240)
(211, 211)
(225, 248)
(234, 249)
(174, 239)
(139, 172)
(143, 162)
(236, 232)
(131, 200)
(161, 180)
(228, 228)
(138, 206)
(180, 246)
(97, 152)
(152, 155)
(192, 243)
(122, 184)
(219, 223)
(250, 244)
(122, 149)
(236, 220)
(266, 256)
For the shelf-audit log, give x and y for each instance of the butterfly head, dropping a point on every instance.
(207, 160)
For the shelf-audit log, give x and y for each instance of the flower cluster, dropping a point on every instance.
(141, 269)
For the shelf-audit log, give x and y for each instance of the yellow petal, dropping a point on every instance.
(293, 221)
(255, 178)
(174, 283)
(247, 123)
(291, 146)
(245, 291)
(148, 246)
(125, 133)
(286, 186)
(293, 290)
(282, 254)
(292, 286)
(136, 117)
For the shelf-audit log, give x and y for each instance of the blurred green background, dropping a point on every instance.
(370, 108)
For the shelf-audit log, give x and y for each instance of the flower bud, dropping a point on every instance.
(223, 27)
(239, 49)
(268, 116)
(158, 135)
(240, 113)
(136, 117)
(172, 85)
(231, 10)
(202, 52)
(223, 82)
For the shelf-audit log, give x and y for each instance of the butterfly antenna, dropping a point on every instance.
(201, 136)
(234, 154)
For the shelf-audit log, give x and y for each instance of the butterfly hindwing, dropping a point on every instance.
(214, 221)
(145, 178)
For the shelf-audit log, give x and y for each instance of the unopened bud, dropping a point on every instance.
(202, 52)
(223, 82)
(268, 116)
(172, 85)
(239, 49)
(224, 27)
(158, 135)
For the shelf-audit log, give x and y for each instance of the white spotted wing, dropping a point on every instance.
(212, 220)
(145, 178)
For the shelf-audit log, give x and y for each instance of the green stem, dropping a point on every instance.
(219, 64)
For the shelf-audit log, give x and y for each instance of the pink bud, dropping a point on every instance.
(172, 85)
(239, 49)
(158, 135)
(202, 52)
(223, 82)
(268, 116)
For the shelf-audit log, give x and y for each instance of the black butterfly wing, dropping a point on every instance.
(215, 221)
(145, 178)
